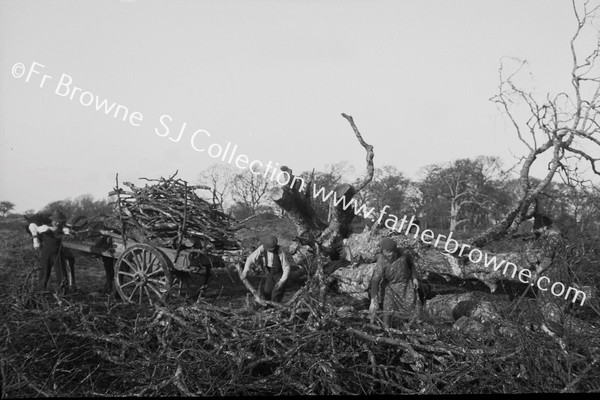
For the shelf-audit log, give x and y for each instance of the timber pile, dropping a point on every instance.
(168, 213)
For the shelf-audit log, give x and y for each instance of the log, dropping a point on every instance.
(354, 280)
(340, 224)
(297, 202)
(431, 261)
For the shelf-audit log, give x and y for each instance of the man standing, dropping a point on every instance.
(49, 239)
(273, 261)
(395, 277)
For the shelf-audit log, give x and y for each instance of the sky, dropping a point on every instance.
(270, 77)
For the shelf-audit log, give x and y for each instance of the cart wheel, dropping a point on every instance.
(142, 274)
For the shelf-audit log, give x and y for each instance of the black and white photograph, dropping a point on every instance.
(299, 197)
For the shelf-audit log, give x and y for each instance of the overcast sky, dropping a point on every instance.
(271, 77)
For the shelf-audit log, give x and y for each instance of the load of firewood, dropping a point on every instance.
(169, 213)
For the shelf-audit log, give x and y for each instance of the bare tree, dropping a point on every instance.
(250, 190)
(461, 184)
(563, 128)
(219, 177)
(5, 207)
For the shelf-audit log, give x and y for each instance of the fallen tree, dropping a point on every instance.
(431, 261)
(318, 242)
(296, 200)
(560, 129)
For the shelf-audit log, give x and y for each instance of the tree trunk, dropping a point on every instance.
(295, 198)
(453, 216)
(341, 219)
(297, 202)
(432, 261)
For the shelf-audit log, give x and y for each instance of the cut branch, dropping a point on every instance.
(370, 154)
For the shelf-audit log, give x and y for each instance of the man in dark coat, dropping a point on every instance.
(48, 238)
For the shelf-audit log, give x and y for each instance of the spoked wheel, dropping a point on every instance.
(142, 274)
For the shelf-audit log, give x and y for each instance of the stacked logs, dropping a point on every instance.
(169, 213)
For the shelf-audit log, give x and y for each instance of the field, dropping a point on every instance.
(91, 344)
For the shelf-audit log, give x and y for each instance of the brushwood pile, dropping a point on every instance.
(168, 213)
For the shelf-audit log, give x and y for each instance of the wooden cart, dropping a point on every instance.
(146, 273)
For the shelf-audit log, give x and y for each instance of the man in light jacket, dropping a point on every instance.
(274, 262)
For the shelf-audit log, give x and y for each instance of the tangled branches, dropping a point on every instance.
(51, 347)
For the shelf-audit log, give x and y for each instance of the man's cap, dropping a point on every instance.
(269, 242)
(58, 216)
(388, 244)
